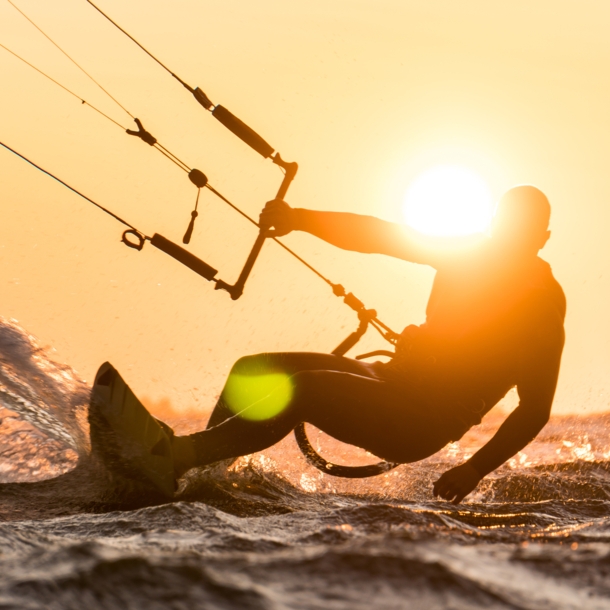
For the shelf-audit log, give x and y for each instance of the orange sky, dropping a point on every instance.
(363, 95)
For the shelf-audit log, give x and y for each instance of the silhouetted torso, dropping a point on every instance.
(490, 325)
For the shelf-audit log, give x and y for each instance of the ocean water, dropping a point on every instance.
(271, 532)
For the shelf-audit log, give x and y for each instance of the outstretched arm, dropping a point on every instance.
(341, 229)
(357, 233)
(536, 387)
(520, 427)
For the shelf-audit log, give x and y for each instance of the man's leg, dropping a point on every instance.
(354, 407)
(286, 363)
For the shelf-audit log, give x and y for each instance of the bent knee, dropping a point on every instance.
(256, 364)
(248, 365)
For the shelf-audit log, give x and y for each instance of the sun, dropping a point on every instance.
(448, 200)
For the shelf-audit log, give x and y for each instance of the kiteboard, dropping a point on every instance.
(128, 438)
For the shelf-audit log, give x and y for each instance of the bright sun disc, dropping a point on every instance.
(448, 200)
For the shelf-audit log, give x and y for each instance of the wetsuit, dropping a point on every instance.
(490, 326)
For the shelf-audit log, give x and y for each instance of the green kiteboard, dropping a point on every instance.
(127, 437)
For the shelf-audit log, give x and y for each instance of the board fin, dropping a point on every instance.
(129, 439)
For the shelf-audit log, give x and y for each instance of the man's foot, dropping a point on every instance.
(127, 437)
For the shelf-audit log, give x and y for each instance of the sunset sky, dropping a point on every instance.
(365, 96)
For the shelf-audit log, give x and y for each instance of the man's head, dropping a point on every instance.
(521, 221)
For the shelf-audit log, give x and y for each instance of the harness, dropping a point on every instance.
(136, 239)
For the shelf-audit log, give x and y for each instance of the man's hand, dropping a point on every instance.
(279, 215)
(455, 484)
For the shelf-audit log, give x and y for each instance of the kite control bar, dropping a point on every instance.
(263, 148)
(237, 289)
(250, 137)
(244, 133)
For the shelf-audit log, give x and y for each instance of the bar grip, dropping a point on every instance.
(242, 131)
(183, 256)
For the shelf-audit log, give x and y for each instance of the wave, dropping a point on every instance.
(193, 555)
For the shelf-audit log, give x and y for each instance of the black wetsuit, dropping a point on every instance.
(490, 326)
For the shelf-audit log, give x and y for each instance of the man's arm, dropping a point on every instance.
(536, 387)
(359, 233)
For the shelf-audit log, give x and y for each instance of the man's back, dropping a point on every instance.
(490, 324)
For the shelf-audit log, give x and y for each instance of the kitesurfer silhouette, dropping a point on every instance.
(494, 321)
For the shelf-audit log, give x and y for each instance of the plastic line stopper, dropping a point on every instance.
(201, 97)
(198, 178)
